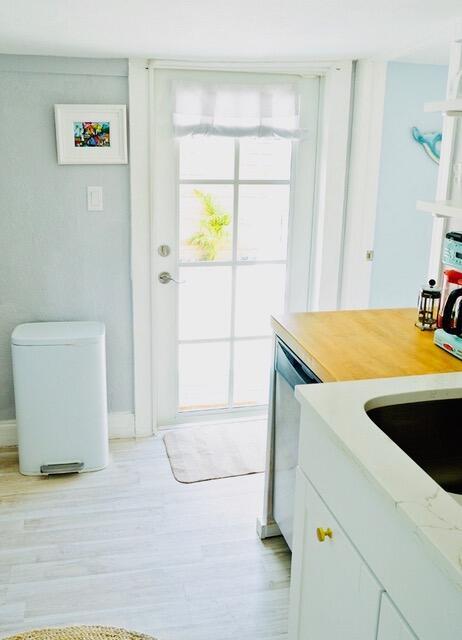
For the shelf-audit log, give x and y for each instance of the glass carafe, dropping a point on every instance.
(452, 280)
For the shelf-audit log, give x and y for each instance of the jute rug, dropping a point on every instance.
(81, 633)
(209, 452)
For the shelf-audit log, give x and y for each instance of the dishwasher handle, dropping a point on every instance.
(291, 368)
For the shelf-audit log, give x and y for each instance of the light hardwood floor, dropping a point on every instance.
(129, 546)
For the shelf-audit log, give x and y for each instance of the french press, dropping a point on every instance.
(428, 307)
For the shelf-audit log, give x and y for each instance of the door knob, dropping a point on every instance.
(165, 278)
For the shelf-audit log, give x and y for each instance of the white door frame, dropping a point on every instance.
(165, 228)
(329, 213)
(140, 239)
(363, 182)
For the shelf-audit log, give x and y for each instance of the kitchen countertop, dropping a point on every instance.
(359, 345)
(434, 514)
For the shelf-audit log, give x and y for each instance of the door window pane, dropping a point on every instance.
(252, 359)
(206, 222)
(264, 159)
(204, 302)
(259, 294)
(205, 231)
(203, 375)
(206, 158)
(263, 222)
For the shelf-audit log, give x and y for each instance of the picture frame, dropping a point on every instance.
(91, 133)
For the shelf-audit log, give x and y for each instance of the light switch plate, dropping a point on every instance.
(95, 198)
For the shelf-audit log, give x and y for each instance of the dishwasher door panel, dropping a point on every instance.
(287, 427)
(289, 372)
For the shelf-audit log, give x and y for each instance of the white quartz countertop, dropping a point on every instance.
(434, 514)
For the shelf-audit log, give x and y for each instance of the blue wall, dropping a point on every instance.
(57, 260)
(402, 234)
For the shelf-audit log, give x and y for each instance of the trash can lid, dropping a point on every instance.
(53, 333)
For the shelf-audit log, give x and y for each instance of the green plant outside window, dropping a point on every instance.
(213, 234)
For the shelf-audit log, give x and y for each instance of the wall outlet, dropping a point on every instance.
(95, 198)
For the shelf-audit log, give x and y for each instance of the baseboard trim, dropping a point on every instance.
(8, 435)
(270, 530)
(121, 424)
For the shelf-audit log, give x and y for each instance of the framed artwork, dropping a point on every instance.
(91, 133)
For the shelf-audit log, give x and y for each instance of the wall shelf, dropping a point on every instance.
(449, 107)
(444, 208)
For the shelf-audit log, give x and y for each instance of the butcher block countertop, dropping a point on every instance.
(357, 345)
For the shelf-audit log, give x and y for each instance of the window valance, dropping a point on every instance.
(262, 111)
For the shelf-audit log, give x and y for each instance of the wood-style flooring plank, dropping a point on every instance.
(129, 546)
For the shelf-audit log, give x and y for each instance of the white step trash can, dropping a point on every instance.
(59, 371)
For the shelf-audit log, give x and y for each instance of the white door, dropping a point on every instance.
(232, 226)
(333, 594)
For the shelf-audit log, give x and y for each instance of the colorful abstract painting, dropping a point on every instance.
(92, 134)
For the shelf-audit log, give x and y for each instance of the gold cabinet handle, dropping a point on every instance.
(324, 533)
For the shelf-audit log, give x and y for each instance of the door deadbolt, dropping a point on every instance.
(164, 250)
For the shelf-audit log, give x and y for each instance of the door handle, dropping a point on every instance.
(164, 278)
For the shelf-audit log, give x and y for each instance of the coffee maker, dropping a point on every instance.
(448, 335)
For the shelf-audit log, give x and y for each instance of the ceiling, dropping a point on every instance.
(270, 30)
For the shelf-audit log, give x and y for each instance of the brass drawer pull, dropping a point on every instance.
(324, 533)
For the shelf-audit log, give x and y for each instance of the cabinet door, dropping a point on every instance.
(333, 592)
(392, 625)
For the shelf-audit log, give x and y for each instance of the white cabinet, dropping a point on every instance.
(386, 534)
(392, 625)
(333, 592)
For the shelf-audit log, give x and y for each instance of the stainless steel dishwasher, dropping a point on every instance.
(282, 447)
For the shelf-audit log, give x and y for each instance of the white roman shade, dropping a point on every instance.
(236, 110)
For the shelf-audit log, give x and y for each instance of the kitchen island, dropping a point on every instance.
(377, 545)
(359, 345)
(337, 346)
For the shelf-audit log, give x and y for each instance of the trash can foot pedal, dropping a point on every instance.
(63, 467)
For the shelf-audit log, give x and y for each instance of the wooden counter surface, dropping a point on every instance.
(356, 345)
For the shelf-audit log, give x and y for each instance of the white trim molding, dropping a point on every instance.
(363, 183)
(332, 176)
(140, 201)
(8, 433)
(121, 424)
(305, 69)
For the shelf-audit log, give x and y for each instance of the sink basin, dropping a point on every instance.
(430, 432)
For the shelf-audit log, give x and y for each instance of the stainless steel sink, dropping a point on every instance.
(430, 432)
